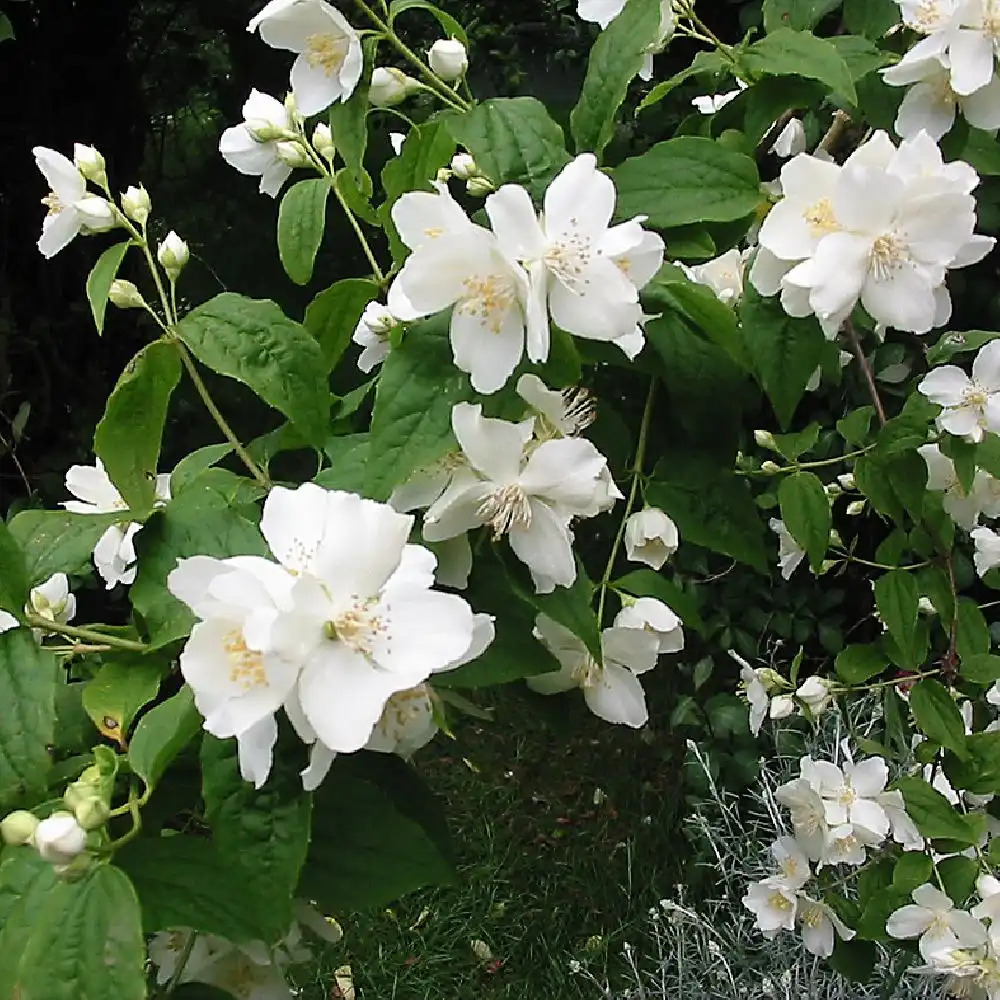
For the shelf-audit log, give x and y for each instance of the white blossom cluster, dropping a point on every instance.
(769, 695)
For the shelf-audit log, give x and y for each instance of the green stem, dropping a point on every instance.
(356, 226)
(896, 681)
(182, 960)
(636, 474)
(848, 557)
(85, 634)
(798, 466)
(855, 342)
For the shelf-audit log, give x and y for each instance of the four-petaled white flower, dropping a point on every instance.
(650, 537)
(970, 406)
(818, 923)
(790, 553)
(655, 617)
(612, 691)
(934, 918)
(372, 334)
(330, 60)
(774, 904)
(253, 147)
(114, 553)
(987, 552)
(72, 208)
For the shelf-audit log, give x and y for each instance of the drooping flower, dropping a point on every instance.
(791, 140)
(650, 537)
(817, 923)
(963, 507)
(774, 905)
(756, 695)
(970, 406)
(724, 275)
(527, 493)
(72, 209)
(934, 918)
(53, 600)
(790, 553)
(656, 618)
(612, 691)
(253, 147)
(987, 553)
(372, 334)
(330, 60)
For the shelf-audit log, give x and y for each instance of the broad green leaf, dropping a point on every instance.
(86, 942)
(348, 463)
(860, 55)
(787, 52)
(937, 715)
(571, 607)
(56, 541)
(333, 316)
(202, 521)
(349, 124)
(855, 960)
(963, 454)
(116, 693)
(451, 27)
(514, 141)
(25, 884)
(935, 818)
(981, 668)
(685, 180)
(411, 422)
(161, 735)
(301, 223)
(785, 350)
(950, 344)
(801, 15)
(14, 581)
(871, 18)
(6, 28)
(128, 438)
(264, 832)
(27, 722)
(793, 446)
(647, 583)
(857, 664)
(254, 342)
(707, 63)
(391, 841)
(615, 59)
(972, 635)
(912, 869)
(805, 510)
(190, 467)
(99, 281)
(896, 596)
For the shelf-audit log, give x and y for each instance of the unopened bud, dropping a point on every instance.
(292, 107)
(389, 86)
(926, 607)
(764, 438)
(265, 131)
(770, 468)
(782, 706)
(479, 186)
(60, 838)
(448, 58)
(90, 163)
(846, 479)
(136, 204)
(832, 490)
(18, 828)
(292, 154)
(173, 254)
(771, 679)
(443, 175)
(463, 166)
(125, 295)
(855, 507)
(322, 141)
(92, 813)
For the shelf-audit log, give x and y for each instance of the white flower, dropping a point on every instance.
(964, 508)
(843, 847)
(59, 838)
(389, 86)
(808, 815)
(173, 255)
(850, 795)
(814, 693)
(372, 334)
(791, 140)
(790, 553)
(989, 891)
(904, 830)
(561, 412)
(396, 140)
(970, 406)
(529, 495)
(817, 923)
(329, 61)
(53, 600)
(774, 904)
(655, 617)
(987, 554)
(793, 866)
(252, 147)
(708, 104)
(934, 919)
(407, 723)
(136, 204)
(724, 275)
(447, 57)
(612, 691)
(601, 12)
(782, 706)
(587, 273)
(72, 209)
(650, 537)
(757, 697)
(457, 263)
(114, 553)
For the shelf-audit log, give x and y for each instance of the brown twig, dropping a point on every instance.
(852, 336)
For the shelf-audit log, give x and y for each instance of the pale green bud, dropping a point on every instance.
(770, 468)
(443, 175)
(479, 186)
(771, 679)
(173, 254)
(90, 163)
(292, 107)
(855, 507)
(137, 204)
(18, 827)
(92, 813)
(292, 154)
(764, 438)
(125, 295)
(322, 141)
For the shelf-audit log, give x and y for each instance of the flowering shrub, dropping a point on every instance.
(234, 769)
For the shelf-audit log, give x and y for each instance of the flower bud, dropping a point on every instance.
(846, 479)
(448, 58)
(771, 679)
(292, 107)
(389, 86)
(650, 537)
(90, 163)
(764, 438)
(18, 828)
(60, 838)
(292, 154)
(463, 166)
(125, 295)
(479, 186)
(98, 215)
(443, 175)
(770, 468)
(832, 490)
(926, 607)
(814, 693)
(322, 141)
(92, 813)
(855, 507)
(136, 204)
(173, 255)
(782, 706)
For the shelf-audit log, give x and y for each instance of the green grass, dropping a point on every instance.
(565, 835)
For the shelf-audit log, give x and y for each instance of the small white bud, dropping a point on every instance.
(92, 813)
(855, 507)
(173, 254)
(846, 479)
(60, 838)
(292, 154)
(832, 490)
(782, 706)
(90, 163)
(480, 186)
(136, 204)
(448, 59)
(926, 607)
(18, 828)
(463, 166)
(650, 537)
(814, 693)
(770, 468)
(390, 86)
(125, 295)
(322, 141)
(764, 438)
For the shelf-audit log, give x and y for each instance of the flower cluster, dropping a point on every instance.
(881, 230)
(770, 695)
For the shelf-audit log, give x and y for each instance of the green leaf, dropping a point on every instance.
(805, 510)
(972, 634)
(937, 715)
(392, 842)
(704, 63)
(787, 52)
(934, 816)
(99, 281)
(301, 223)
(114, 695)
(264, 832)
(348, 463)
(856, 426)
(981, 668)
(963, 454)
(860, 55)
(26, 881)
(128, 438)
(14, 581)
(6, 29)
(896, 596)
(254, 342)
(451, 27)
(856, 664)
(411, 422)
(958, 876)
(202, 521)
(871, 18)
(333, 316)
(56, 541)
(690, 179)
(571, 608)
(647, 583)
(801, 15)
(785, 350)
(190, 467)
(513, 140)
(349, 125)
(792, 447)
(85, 942)
(854, 960)
(950, 344)
(161, 735)
(615, 59)
(27, 722)
(912, 869)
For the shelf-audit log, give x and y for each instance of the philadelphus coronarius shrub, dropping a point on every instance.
(195, 788)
